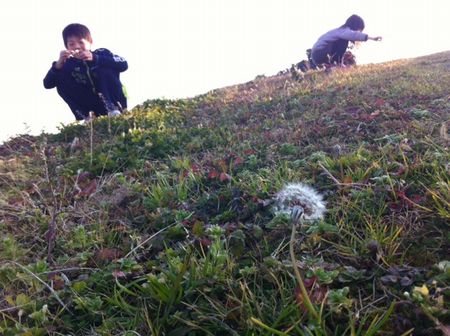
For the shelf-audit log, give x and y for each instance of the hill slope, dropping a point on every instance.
(169, 219)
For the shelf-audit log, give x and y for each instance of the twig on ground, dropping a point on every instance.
(341, 184)
(148, 239)
(42, 282)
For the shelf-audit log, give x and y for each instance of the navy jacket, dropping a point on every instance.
(101, 75)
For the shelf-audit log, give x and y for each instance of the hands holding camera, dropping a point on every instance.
(83, 55)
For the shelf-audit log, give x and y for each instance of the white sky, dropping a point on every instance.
(181, 48)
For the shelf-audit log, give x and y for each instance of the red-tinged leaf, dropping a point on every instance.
(206, 242)
(417, 199)
(89, 189)
(224, 177)
(186, 223)
(400, 194)
(195, 168)
(268, 135)
(249, 152)
(319, 294)
(395, 206)
(118, 274)
(375, 113)
(366, 117)
(255, 199)
(405, 199)
(16, 201)
(213, 174)
(316, 295)
(299, 299)
(380, 102)
(107, 254)
(58, 283)
(238, 161)
(409, 202)
(309, 282)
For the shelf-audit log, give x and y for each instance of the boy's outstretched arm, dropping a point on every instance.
(104, 57)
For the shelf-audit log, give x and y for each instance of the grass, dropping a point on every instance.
(163, 221)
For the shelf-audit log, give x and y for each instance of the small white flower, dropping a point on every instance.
(299, 194)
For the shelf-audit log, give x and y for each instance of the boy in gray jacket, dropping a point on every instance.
(331, 46)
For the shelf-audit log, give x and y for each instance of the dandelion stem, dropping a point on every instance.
(306, 300)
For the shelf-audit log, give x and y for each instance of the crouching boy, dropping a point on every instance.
(87, 80)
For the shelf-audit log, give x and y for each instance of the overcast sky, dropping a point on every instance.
(181, 48)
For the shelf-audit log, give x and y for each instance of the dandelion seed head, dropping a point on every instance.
(299, 194)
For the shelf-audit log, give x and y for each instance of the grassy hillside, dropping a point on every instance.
(172, 219)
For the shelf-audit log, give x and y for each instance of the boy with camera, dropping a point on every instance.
(88, 81)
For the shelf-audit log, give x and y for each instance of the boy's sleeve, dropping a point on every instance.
(351, 35)
(104, 57)
(52, 77)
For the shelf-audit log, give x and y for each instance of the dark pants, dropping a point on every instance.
(331, 55)
(104, 96)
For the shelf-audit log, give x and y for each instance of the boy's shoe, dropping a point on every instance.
(114, 113)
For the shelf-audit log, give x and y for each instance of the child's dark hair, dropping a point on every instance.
(354, 22)
(78, 30)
